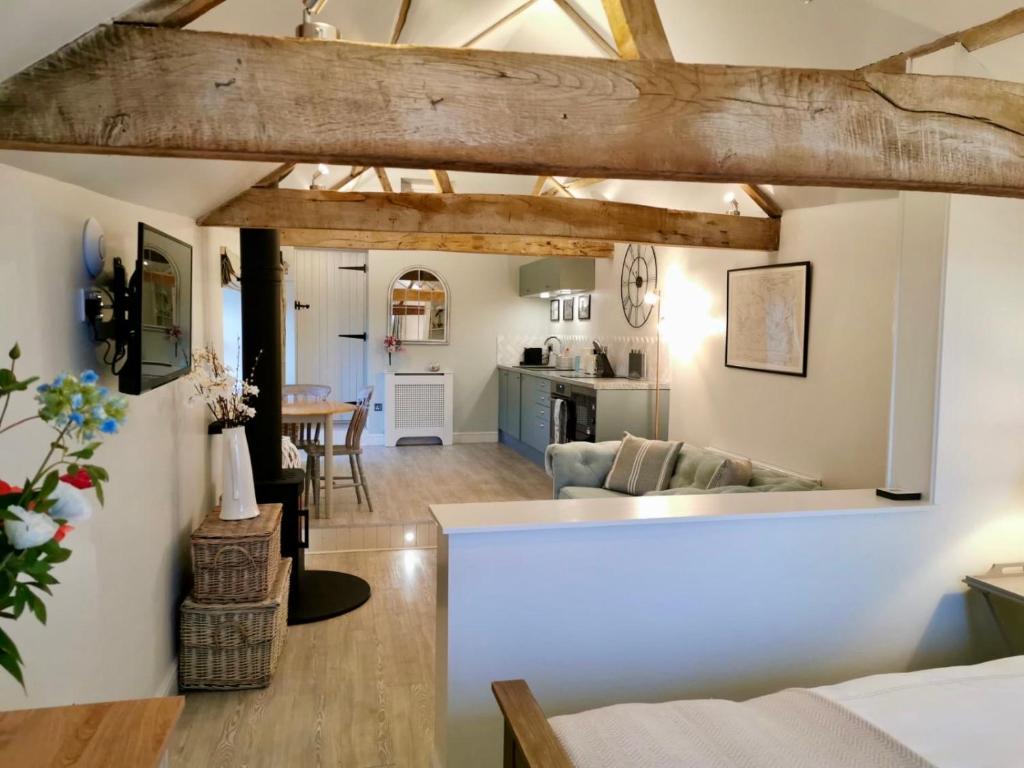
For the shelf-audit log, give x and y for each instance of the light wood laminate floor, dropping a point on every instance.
(404, 481)
(356, 691)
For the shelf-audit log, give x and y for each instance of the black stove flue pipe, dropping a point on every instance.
(262, 333)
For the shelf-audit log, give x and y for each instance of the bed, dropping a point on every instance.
(957, 717)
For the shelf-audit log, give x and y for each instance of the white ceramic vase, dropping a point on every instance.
(239, 492)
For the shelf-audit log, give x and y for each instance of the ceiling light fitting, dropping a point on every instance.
(321, 171)
(733, 203)
(315, 30)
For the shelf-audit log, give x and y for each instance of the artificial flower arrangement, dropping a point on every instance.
(392, 344)
(37, 515)
(215, 385)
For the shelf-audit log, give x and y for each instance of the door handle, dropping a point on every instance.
(361, 336)
(299, 305)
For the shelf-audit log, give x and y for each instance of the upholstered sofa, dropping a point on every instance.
(578, 471)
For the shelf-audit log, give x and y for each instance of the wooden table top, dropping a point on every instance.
(315, 408)
(115, 734)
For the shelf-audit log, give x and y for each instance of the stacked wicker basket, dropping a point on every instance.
(233, 625)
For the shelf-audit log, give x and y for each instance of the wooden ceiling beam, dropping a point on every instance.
(763, 200)
(382, 177)
(513, 215)
(431, 241)
(276, 176)
(400, 18)
(586, 27)
(498, 111)
(442, 183)
(500, 22)
(167, 13)
(355, 173)
(991, 32)
(638, 31)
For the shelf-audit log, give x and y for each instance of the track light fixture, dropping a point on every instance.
(316, 30)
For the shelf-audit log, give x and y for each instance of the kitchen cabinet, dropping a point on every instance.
(535, 412)
(509, 386)
(556, 274)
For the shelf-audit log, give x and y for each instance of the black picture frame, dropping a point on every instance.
(568, 308)
(734, 314)
(583, 307)
(554, 313)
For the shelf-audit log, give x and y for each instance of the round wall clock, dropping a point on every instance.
(639, 275)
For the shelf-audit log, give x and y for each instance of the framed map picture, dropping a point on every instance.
(567, 307)
(767, 312)
(554, 315)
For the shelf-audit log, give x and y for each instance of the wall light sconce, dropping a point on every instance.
(321, 171)
(733, 203)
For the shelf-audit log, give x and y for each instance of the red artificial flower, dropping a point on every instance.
(6, 489)
(79, 480)
(63, 531)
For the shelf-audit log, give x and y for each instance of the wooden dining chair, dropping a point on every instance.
(306, 434)
(354, 450)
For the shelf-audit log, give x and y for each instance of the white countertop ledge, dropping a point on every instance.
(504, 516)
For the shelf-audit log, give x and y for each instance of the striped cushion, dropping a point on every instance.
(642, 466)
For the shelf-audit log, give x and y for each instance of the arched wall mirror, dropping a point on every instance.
(419, 304)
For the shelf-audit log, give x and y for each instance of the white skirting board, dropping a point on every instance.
(459, 437)
(169, 685)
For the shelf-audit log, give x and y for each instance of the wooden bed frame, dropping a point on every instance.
(529, 742)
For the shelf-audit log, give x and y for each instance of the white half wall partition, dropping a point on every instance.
(649, 599)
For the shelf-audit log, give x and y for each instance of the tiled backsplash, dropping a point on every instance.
(510, 350)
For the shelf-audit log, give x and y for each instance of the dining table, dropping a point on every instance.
(324, 412)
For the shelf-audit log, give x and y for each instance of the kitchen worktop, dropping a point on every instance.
(567, 377)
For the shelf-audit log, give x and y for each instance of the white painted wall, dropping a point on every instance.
(111, 630)
(596, 616)
(833, 423)
(484, 303)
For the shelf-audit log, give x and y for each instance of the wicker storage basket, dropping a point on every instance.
(236, 645)
(236, 561)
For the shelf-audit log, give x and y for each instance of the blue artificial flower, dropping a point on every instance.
(103, 391)
(76, 400)
(59, 381)
(77, 419)
(89, 376)
(43, 389)
(98, 413)
(109, 426)
(88, 435)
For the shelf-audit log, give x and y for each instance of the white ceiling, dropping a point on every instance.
(823, 33)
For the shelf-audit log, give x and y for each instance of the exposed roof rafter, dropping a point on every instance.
(991, 32)
(167, 13)
(638, 30)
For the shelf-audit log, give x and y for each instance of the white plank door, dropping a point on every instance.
(334, 287)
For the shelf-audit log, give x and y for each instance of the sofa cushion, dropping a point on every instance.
(642, 465)
(732, 471)
(694, 461)
(585, 492)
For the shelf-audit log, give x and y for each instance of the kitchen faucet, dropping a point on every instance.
(548, 346)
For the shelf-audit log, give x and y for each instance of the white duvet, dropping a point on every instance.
(958, 717)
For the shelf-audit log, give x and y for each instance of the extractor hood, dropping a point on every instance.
(546, 278)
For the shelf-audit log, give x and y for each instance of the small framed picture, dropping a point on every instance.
(583, 307)
(567, 307)
(555, 304)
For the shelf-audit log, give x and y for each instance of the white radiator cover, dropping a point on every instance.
(418, 405)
